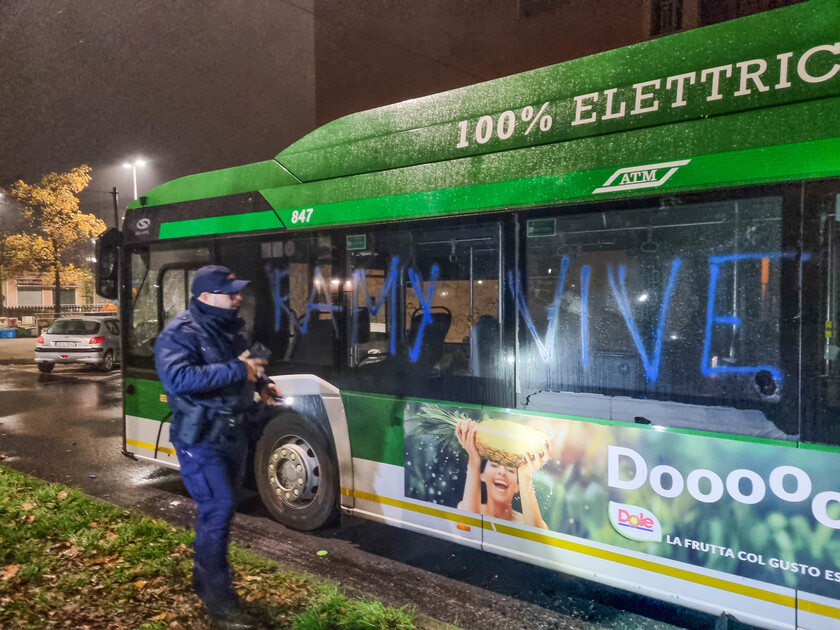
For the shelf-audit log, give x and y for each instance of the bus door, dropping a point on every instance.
(820, 313)
(157, 288)
(817, 600)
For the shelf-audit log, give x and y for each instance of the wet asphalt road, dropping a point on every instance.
(66, 427)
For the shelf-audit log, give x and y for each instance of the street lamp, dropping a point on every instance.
(133, 166)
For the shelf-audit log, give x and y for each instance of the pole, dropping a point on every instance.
(134, 172)
(116, 208)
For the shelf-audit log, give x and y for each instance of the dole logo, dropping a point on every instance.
(634, 522)
(636, 177)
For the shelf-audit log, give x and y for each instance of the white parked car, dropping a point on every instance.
(83, 339)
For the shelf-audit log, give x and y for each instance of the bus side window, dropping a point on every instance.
(484, 346)
(371, 298)
(175, 292)
(831, 353)
(821, 373)
(659, 315)
(416, 296)
(144, 307)
(453, 284)
(291, 303)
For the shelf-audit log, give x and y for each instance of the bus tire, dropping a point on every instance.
(297, 478)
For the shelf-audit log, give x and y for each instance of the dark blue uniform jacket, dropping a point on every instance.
(196, 360)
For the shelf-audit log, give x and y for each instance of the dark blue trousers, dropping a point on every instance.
(212, 473)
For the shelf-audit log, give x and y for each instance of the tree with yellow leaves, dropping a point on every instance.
(51, 211)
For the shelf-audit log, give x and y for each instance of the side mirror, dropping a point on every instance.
(108, 263)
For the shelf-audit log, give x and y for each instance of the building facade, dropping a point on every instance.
(38, 290)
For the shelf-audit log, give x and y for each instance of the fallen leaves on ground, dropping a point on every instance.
(83, 564)
(9, 571)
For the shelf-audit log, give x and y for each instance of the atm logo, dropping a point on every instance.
(636, 177)
(634, 522)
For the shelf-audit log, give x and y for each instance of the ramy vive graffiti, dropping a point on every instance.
(648, 345)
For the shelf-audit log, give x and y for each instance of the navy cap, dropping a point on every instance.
(216, 279)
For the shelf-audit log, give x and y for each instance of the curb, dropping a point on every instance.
(17, 361)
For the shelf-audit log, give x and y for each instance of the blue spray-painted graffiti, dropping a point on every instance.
(281, 301)
(584, 315)
(546, 348)
(651, 360)
(275, 276)
(651, 364)
(425, 300)
(360, 290)
(320, 301)
(319, 286)
(713, 318)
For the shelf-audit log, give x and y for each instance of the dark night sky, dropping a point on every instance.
(198, 85)
(192, 86)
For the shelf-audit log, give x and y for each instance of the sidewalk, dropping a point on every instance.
(17, 351)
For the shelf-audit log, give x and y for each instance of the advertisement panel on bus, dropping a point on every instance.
(753, 508)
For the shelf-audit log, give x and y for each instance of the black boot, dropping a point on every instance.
(233, 618)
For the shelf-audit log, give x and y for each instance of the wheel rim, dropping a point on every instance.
(108, 361)
(294, 472)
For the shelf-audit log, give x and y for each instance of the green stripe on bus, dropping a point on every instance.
(829, 448)
(143, 399)
(228, 224)
(375, 425)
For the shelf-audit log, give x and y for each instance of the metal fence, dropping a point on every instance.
(39, 317)
(20, 312)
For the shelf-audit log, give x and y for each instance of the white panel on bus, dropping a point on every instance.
(149, 440)
(380, 496)
(680, 583)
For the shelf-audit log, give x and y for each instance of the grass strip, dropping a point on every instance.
(70, 561)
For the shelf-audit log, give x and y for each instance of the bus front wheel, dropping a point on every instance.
(296, 477)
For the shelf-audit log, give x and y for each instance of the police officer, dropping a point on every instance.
(205, 366)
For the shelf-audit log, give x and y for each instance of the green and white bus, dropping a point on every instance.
(622, 269)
